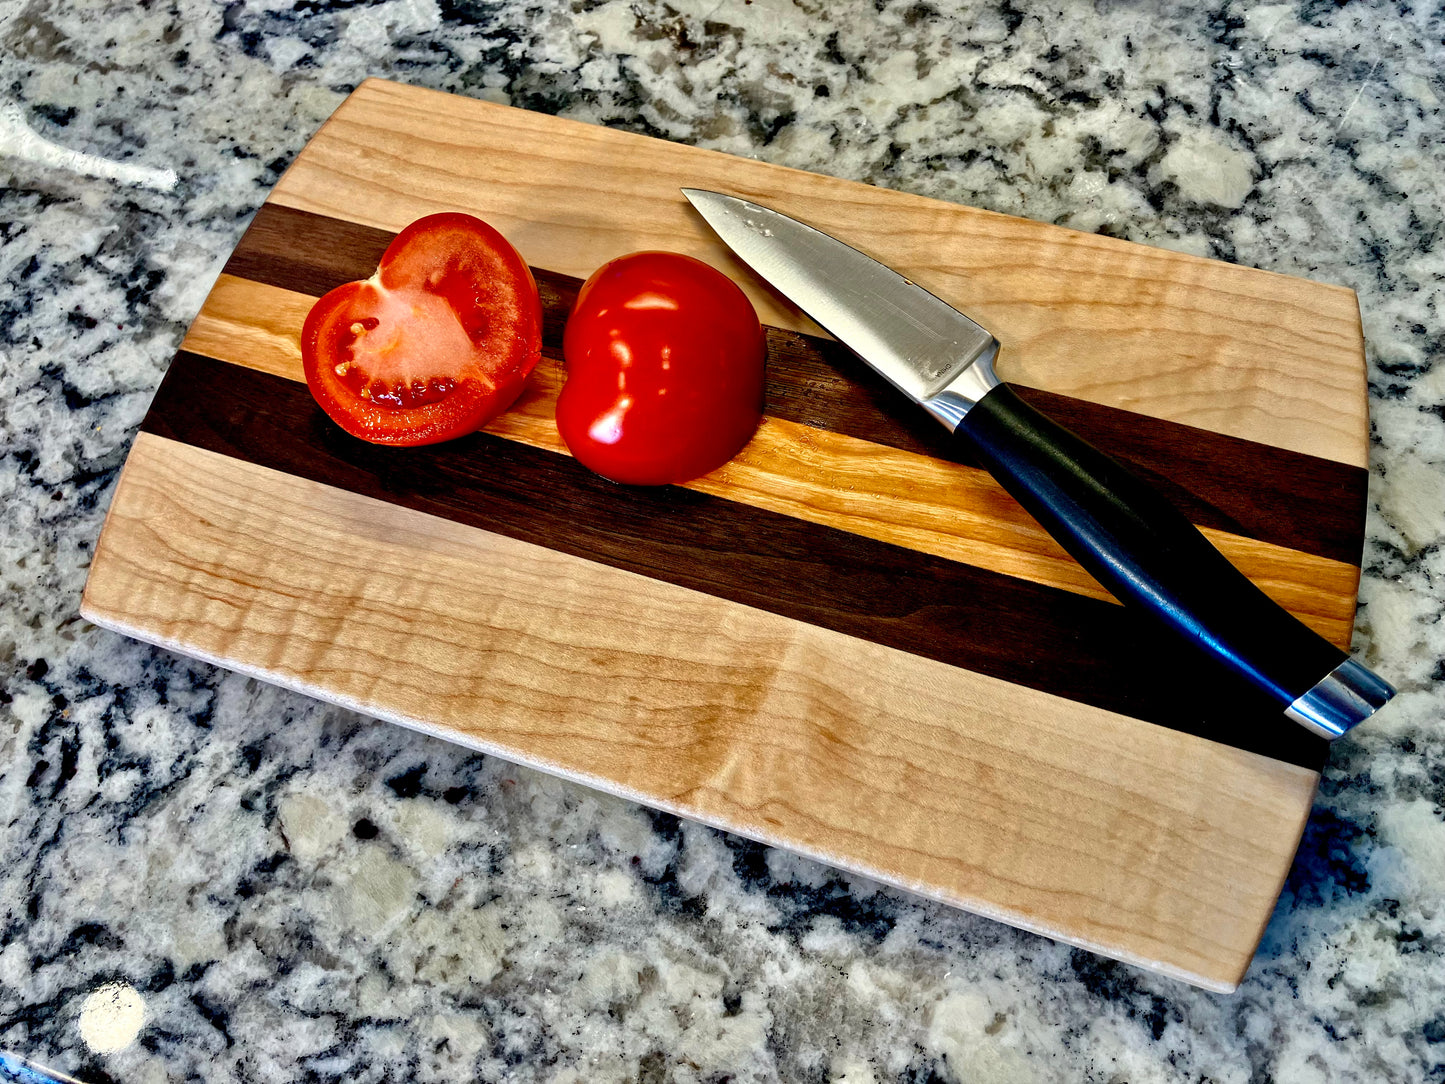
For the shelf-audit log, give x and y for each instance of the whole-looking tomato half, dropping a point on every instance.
(435, 344)
(664, 370)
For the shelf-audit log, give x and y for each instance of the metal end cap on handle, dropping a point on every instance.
(1347, 695)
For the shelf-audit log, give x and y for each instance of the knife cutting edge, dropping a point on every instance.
(1141, 548)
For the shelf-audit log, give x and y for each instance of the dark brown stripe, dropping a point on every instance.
(1083, 649)
(1297, 501)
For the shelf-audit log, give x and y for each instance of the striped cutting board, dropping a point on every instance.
(838, 643)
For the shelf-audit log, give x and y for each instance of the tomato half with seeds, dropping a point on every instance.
(435, 344)
(665, 358)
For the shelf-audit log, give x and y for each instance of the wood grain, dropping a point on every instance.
(1240, 351)
(931, 505)
(840, 643)
(1087, 826)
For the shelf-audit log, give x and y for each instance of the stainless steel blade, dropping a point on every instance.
(927, 349)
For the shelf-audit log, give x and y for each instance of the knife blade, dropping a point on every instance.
(1139, 547)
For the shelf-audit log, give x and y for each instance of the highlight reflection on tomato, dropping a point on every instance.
(435, 344)
(664, 370)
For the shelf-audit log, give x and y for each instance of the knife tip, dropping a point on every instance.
(714, 206)
(699, 196)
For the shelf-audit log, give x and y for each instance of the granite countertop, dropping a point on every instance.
(203, 877)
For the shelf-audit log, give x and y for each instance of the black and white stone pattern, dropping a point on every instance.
(204, 878)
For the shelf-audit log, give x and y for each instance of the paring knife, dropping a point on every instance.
(1131, 539)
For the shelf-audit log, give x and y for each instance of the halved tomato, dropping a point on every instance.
(435, 344)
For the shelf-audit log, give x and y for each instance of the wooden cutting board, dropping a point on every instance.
(838, 643)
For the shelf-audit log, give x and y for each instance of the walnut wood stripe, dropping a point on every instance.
(1083, 649)
(932, 505)
(1247, 488)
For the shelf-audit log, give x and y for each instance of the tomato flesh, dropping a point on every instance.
(665, 358)
(435, 344)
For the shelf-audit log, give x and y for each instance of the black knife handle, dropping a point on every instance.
(1149, 556)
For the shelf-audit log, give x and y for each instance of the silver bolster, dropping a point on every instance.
(1347, 695)
(959, 395)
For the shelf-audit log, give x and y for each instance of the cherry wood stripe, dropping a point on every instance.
(1084, 649)
(1255, 490)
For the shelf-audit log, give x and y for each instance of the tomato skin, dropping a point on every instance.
(664, 370)
(438, 342)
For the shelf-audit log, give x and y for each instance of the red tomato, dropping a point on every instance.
(664, 370)
(435, 344)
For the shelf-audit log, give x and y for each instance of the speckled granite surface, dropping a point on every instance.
(205, 878)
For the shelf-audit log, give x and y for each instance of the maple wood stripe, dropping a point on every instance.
(1255, 490)
(1087, 650)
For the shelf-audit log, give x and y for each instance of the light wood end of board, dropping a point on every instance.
(1250, 353)
(1100, 830)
